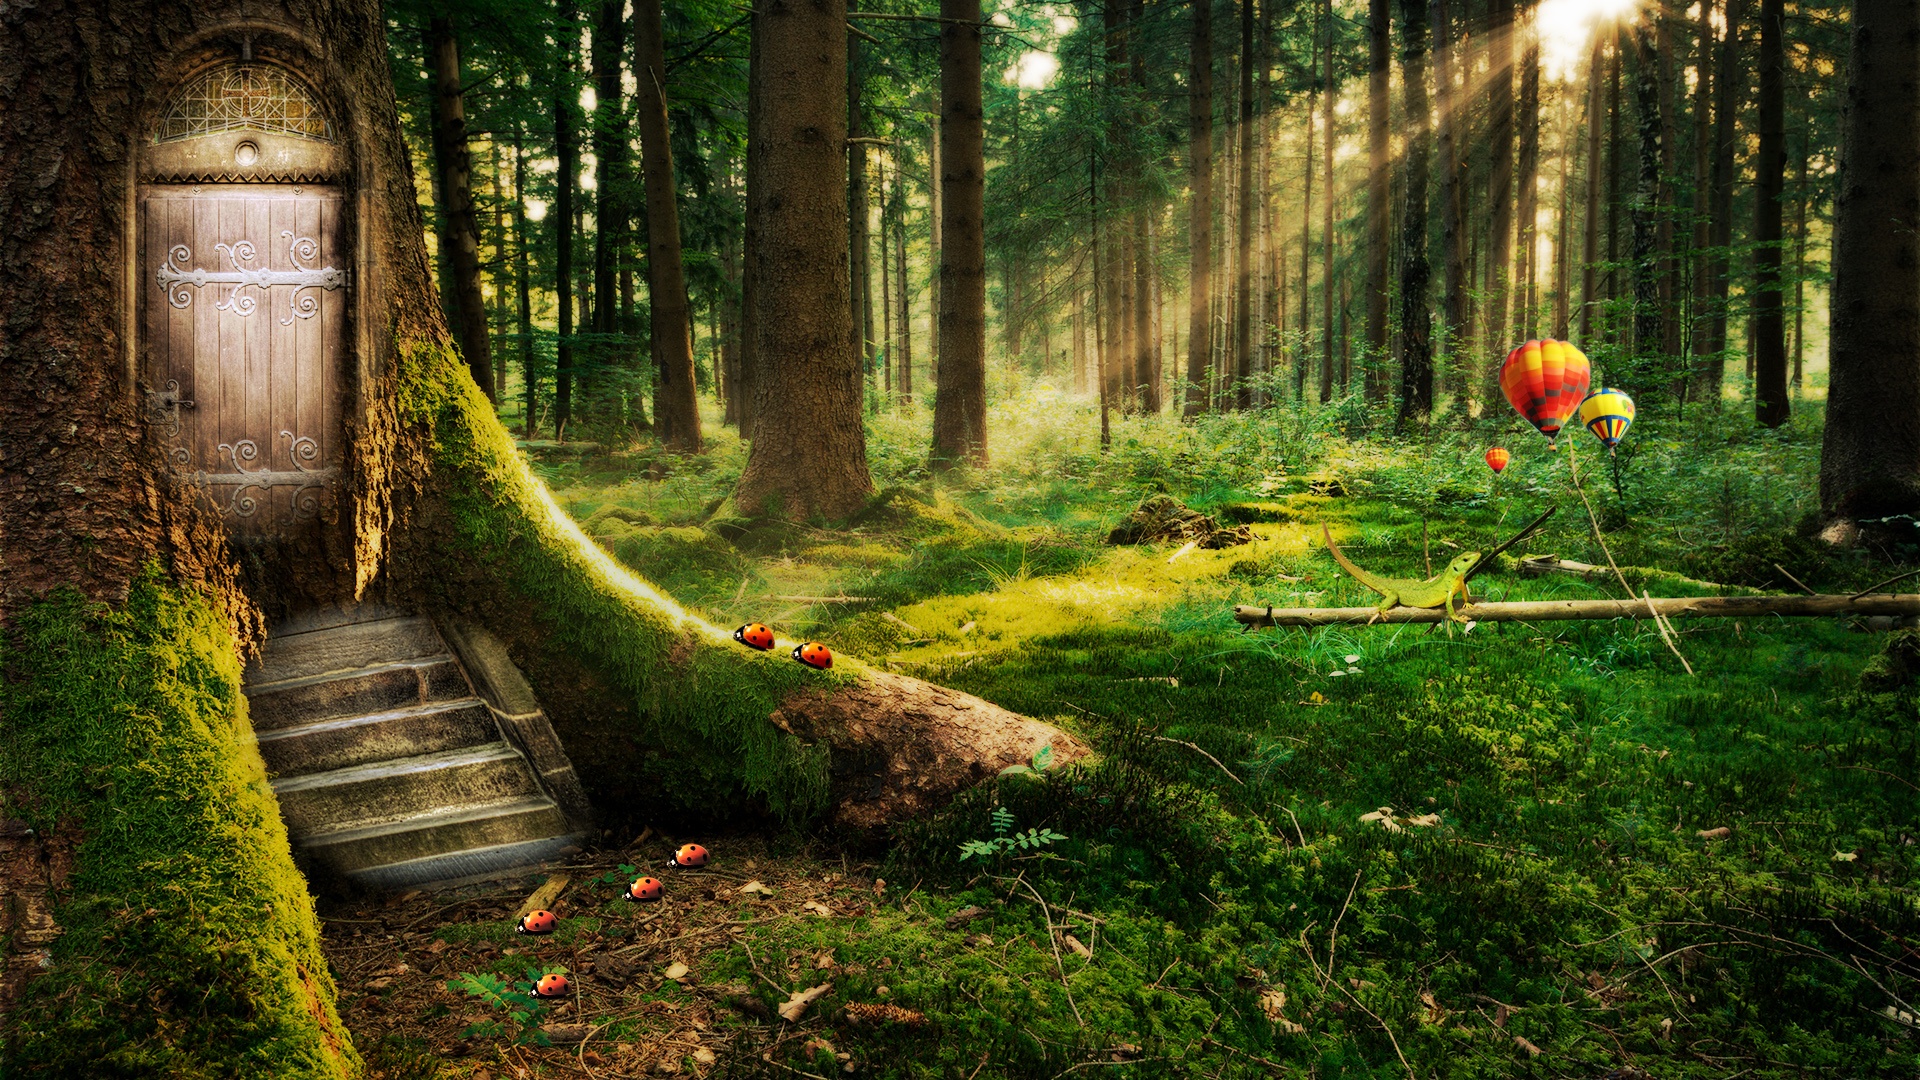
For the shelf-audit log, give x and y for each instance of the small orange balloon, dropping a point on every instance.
(1497, 459)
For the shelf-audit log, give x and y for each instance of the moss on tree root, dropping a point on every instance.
(188, 945)
(690, 702)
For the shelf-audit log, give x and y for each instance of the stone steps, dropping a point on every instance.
(389, 769)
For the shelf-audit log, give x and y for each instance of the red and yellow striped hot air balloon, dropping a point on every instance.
(1544, 382)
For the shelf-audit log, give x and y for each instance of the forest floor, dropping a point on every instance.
(1510, 850)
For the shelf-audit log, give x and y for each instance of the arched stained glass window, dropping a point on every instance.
(243, 95)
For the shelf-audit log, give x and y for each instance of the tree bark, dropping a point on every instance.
(1199, 209)
(1870, 456)
(1728, 83)
(906, 294)
(1416, 345)
(610, 150)
(1379, 209)
(809, 453)
(936, 182)
(461, 225)
(1500, 195)
(1698, 329)
(859, 209)
(1243, 245)
(566, 151)
(523, 287)
(1770, 401)
(754, 196)
(1647, 335)
(1301, 362)
(960, 398)
(1526, 300)
(1453, 213)
(1330, 93)
(676, 408)
(1596, 172)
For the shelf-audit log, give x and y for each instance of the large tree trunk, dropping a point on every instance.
(755, 193)
(610, 151)
(1199, 209)
(1330, 95)
(960, 398)
(461, 227)
(1596, 172)
(1379, 212)
(1770, 403)
(1301, 363)
(1697, 326)
(859, 211)
(1870, 459)
(1416, 345)
(523, 289)
(809, 453)
(676, 409)
(1525, 299)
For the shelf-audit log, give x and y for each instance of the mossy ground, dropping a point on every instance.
(188, 943)
(1550, 894)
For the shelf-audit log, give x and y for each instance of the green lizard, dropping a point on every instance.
(1431, 593)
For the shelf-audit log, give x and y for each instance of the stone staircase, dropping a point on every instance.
(390, 770)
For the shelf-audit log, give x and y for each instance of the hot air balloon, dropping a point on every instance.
(1608, 413)
(1544, 382)
(1497, 459)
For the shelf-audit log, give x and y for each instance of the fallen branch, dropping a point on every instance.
(1676, 607)
(1202, 753)
(828, 599)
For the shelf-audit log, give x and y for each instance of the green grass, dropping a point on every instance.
(188, 944)
(1561, 915)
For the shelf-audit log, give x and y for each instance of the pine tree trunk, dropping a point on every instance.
(1728, 82)
(1616, 154)
(1669, 271)
(1453, 213)
(960, 399)
(1870, 457)
(1801, 197)
(1500, 194)
(1526, 299)
(754, 195)
(523, 287)
(1596, 171)
(1379, 205)
(906, 295)
(461, 227)
(809, 453)
(936, 184)
(859, 210)
(566, 151)
(1770, 401)
(1698, 329)
(1647, 335)
(610, 150)
(1416, 345)
(1329, 95)
(677, 407)
(1563, 242)
(1243, 248)
(1302, 363)
(1199, 210)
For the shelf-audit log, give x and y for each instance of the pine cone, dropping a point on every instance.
(885, 1014)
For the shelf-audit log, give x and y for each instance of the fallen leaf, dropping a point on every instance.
(964, 916)
(1384, 816)
(379, 984)
(1423, 820)
(592, 1058)
(676, 971)
(879, 886)
(566, 1034)
(1079, 949)
(977, 940)
(1845, 856)
(437, 947)
(1124, 1051)
(823, 961)
(704, 1056)
(796, 1006)
(1720, 833)
(818, 908)
(1274, 1004)
(1435, 1013)
(816, 1045)
(1532, 1050)
(755, 888)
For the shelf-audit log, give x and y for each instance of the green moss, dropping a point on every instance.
(694, 692)
(189, 946)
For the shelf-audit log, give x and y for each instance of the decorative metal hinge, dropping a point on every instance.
(179, 281)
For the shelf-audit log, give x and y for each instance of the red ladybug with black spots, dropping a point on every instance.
(755, 636)
(814, 655)
(646, 888)
(690, 856)
(551, 985)
(537, 922)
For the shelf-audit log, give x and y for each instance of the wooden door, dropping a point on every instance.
(245, 301)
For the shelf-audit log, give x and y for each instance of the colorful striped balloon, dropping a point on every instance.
(1544, 382)
(1608, 413)
(1497, 459)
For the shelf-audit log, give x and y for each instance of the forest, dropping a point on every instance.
(1320, 539)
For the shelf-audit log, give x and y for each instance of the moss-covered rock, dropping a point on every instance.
(187, 944)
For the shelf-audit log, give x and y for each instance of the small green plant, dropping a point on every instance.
(1042, 761)
(622, 875)
(1005, 839)
(524, 1010)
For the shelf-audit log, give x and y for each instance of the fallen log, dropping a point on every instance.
(1675, 607)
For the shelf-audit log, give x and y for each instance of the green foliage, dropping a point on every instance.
(523, 1008)
(1005, 839)
(188, 944)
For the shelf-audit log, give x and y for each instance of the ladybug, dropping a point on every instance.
(553, 985)
(690, 855)
(814, 655)
(538, 922)
(755, 636)
(646, 888)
